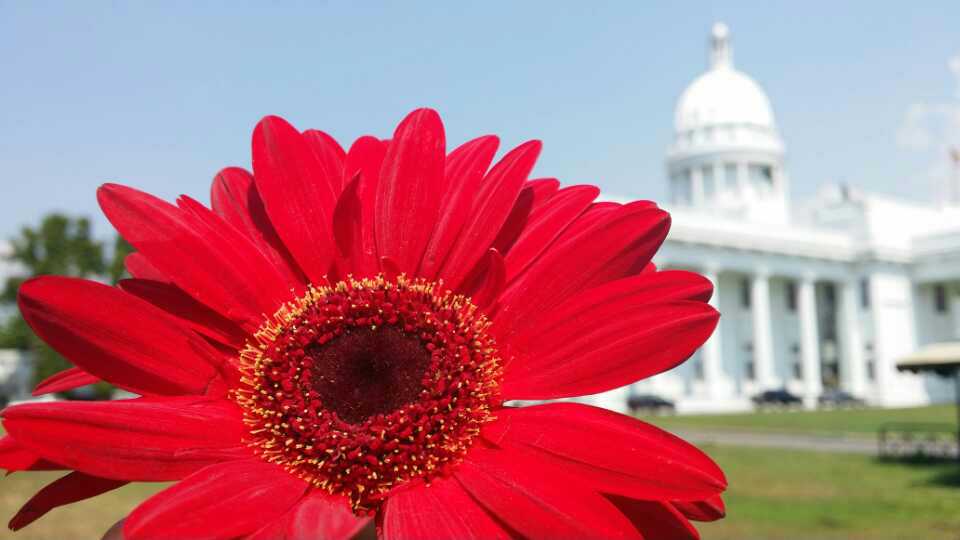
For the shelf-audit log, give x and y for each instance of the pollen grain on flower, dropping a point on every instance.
(365, 384)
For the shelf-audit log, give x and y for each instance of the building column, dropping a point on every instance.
(809, 341)
(762, 330)
(853, 367)
(696, 186)
(712, 355)
(953, 304)
(719, 178)
(743, 177)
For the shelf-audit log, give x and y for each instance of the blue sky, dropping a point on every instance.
(161, 95)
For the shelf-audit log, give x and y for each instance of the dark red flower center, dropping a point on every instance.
(366, 372)
(368, 384)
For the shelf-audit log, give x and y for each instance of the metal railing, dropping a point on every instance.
(918, 440)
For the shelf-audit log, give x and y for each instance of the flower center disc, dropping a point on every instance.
(367, 384)
(365, 372)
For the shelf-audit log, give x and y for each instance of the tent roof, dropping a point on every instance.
(941, 357)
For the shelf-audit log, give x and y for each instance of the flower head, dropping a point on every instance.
(336, 339)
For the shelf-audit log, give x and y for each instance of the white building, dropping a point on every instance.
(824, 295)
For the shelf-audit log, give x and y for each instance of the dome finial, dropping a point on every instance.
(720, 53)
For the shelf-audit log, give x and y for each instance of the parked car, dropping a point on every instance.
(648, 403)
(776, 398)
(839, 398)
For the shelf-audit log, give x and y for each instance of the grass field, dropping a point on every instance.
(795, 495)
(774, 495)
(87, 519)
(851, 421)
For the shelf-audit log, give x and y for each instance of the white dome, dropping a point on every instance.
(723, 96)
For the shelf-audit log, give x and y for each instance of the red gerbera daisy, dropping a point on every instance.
(336, 339)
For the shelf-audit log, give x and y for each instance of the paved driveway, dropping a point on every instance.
(819, 443)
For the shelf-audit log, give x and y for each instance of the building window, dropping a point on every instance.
(829, 296)
(940, 297)
(865, 293)
(871, 369)
(745, 293)
(682, 187)
(792, 296)
(730, 175)
(749, 370)
(709, 184)
(698, 369)
(796, 363)
(761, 176)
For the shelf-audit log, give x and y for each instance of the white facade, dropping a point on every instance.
(824, 295)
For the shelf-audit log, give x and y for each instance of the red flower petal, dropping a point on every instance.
(219, 502)
(611, 452)
(608, 346)
(234, 197)
(116, 336)
(580, 258)
(318, 516)
(189, 312)
(491, 206)
(465, 168)
(62, 381)
(14, 457)
(441, 510)
(329, 155)
(298, 192)
(410, 188)
(532, 196)
(485, 283)
(636, 256)
(545, 224)
(365, 158)
(141, 439)
(68, 489)
(239, 251)
(631, 292)
(348, 228)
(656, 519)
(709, 509)
(539, 501)
(203, 255)
(139, 267)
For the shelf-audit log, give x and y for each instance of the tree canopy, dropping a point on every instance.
(59, 245)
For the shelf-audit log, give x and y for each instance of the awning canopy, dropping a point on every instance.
(942, 358)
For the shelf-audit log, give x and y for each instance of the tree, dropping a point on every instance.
(61, 245)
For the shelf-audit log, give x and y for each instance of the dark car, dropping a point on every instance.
(774, 398)
(839, 398)
(647, 403)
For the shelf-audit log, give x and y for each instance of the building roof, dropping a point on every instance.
(723, 96)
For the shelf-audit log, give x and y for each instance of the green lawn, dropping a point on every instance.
(796, 495)
(87, 519)
(855, 421)
(774, 495)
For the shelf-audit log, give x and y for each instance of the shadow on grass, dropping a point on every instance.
(947, 478)
(945, 471)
